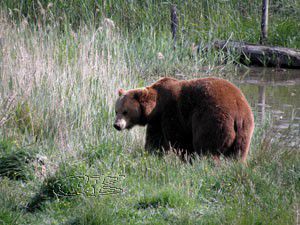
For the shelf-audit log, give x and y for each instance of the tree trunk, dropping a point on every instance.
(264, 22)
(261, 55)
(174, 24)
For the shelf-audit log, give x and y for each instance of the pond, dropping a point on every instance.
(274, 96)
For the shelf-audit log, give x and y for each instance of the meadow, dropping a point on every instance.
(61, 160)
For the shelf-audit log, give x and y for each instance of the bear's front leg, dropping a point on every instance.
(154, 138)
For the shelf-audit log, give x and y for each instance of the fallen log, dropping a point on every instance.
(261, 55)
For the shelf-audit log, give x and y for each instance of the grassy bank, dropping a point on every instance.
(58, 147)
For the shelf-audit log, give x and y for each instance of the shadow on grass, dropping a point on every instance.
(15, 162)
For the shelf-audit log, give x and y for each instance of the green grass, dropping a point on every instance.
(58, 86)
(165, 191)
(199, 21)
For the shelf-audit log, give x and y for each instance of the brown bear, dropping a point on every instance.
(202, 116)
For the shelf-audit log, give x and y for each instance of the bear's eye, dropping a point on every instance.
(125, 112)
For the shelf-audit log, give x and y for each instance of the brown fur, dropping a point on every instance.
(203, 116)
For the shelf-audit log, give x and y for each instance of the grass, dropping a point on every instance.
(167, 191)
(15, 165)
(199, 21)
(58, 85)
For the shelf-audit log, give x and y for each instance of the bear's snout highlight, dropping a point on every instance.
(120, 124)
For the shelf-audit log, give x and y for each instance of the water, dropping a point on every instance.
(274, 96)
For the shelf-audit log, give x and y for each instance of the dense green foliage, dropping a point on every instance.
(62, 162)
(200, 21)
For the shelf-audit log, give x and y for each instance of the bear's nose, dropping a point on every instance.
(117, 126)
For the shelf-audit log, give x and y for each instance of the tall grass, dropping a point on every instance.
(200, 21)
(58, 85)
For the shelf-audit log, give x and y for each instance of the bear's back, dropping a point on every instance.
(212, 94)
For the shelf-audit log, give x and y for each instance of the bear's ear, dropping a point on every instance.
(121, 91)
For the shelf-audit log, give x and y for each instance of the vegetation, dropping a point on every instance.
(200, 21)
(61, 161)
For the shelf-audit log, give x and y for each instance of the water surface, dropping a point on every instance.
(274, 96)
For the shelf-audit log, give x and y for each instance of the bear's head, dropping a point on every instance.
(133, 107)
